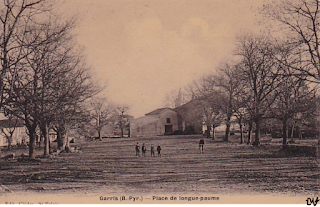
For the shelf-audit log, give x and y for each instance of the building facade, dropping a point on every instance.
(190, 118)
(163, 121)
(19, 135)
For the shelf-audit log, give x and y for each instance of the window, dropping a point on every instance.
(168, 120)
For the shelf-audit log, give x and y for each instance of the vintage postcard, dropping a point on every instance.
(159, 102)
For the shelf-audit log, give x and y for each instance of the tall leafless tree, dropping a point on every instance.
(50, 80)
(212, 103)
(228, 82)
(260, 70)
(294, 95)
(122, 121)
(101, 111)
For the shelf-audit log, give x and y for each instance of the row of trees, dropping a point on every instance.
(257, 87)
(102, 113)
(44, 80)
(269, 79)
(43, 77)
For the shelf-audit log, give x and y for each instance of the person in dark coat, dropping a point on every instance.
(152, 150)
(159, 150)
(143, 149)
(201, 143)
(137, 150)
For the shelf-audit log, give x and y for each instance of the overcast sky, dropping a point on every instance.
(144, 49)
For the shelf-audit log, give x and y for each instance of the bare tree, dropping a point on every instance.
(17, 18)
(122, 118)
(100, 113)
(50, 80)
(228, 82)
(299, 19)
(244, 105)
(242, 111)
(294, 97)
(212, 115)
(260, 71)
(211, 103)
(83, 123)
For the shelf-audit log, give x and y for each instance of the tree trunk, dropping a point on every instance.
(226, 138)
(241, 131)
(129, 131)
(31, 143)
(284, 132)
(213, 132)
(298, 132)
(67, 141)
(9, 143)
(257, 131)
(59, 139)
(121, 132)
(62, 139)
(31, 127)
(99, 134)
(249, 132)
(41, 143)
(208, 131)
(45, 133)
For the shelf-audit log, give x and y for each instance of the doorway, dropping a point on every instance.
(168, 129)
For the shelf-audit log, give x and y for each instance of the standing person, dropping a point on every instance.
(201, 143)
(152, 150)
(137, 150)
(143, 149)
(159, 150)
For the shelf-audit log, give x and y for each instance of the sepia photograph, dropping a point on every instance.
(159, 102)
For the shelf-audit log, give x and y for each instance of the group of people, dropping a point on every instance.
(152, 149)
(144, 150)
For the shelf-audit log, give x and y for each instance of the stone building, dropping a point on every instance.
(184, 119)
(190, 118)
(162, 121)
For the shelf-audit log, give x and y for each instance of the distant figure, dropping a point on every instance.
(137, 150)
(159, 150)
(23, 142)
(152, 150)
(201, 143)
(143, 149)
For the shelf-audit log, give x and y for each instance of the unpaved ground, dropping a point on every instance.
(110, 166)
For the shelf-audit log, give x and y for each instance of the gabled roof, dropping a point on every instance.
(157, 111)
(145, 120)
(195, 103)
